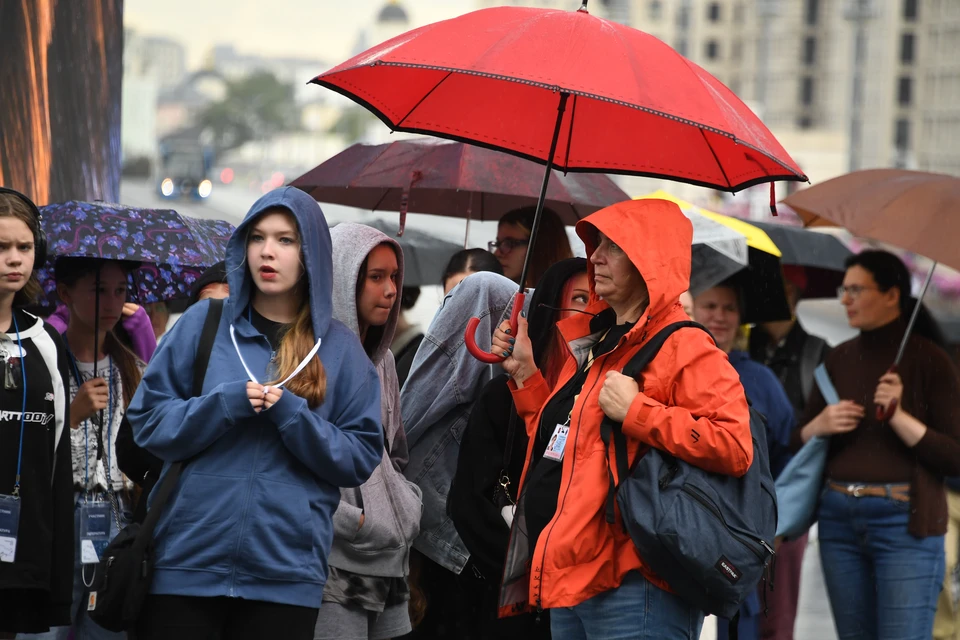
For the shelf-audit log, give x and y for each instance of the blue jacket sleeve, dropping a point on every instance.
(344, 452)
(781, 419)
(167, 421)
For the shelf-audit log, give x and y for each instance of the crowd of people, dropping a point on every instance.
(349, 475)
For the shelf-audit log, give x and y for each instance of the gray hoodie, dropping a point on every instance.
(390, 504)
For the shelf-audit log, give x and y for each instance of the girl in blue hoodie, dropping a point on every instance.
(290, 414)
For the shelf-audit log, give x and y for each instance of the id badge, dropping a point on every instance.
(95, 518)
(557, 443)
(9, 525)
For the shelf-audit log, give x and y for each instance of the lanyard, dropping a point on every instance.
(86, 425)
(23, 409)
(253, 378)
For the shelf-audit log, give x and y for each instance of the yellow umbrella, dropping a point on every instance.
(756, 237)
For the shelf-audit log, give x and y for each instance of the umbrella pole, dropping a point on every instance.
(466, 234)
(913, 316)
(543, 190)
(470, 335)
(892, 408)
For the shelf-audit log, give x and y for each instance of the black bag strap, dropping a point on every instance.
(208, 336)
(611, 429)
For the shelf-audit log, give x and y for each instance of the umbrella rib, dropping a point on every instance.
(425, 96)
(714, 154)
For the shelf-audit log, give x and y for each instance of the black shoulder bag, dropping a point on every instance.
(125, 572)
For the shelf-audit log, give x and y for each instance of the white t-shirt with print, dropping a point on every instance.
(83, 440)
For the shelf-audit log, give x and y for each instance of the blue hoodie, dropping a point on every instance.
(252, 514)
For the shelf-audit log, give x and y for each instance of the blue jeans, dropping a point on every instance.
(83, 627)
(636, 610)
(883, 583)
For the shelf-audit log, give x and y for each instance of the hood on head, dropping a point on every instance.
(314, 245)
(657, 238)
(352, 243)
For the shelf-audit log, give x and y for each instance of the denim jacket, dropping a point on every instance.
(436, 400)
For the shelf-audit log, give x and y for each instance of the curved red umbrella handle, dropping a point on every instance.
(884, 415)
(470, 336)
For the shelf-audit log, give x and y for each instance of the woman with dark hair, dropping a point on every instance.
(883, 511)
(492, 456)
(513, 239)
(465, 262)
(36, 545)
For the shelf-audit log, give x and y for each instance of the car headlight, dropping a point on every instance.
(204, 188)
(166, 187)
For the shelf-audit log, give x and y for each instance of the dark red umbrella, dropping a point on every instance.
(569, 90)
(451, 179)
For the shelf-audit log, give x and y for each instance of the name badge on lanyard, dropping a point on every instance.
(9, 525)
(95, 517)
(557, 443)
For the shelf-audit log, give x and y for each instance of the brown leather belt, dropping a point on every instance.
(898, 492)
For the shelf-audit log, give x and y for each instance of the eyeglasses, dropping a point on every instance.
(853, 290)
(508, 245)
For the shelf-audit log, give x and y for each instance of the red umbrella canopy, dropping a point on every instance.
(495, 77)
(451, 179)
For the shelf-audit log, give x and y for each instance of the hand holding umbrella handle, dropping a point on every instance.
(470, 336)
(883, 415)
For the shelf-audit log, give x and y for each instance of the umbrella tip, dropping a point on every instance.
(773, 200)
(583, 7)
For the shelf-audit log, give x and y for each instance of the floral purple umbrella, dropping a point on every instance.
(173, 249)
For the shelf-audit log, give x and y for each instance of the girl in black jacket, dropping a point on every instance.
(492, 455)
(36, 481)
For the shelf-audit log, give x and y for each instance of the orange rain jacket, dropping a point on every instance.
(691, 405)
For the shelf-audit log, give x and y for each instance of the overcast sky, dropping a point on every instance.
(324, 29)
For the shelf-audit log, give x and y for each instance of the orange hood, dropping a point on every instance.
(664, 263)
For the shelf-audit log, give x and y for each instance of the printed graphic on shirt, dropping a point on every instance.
(85, 440)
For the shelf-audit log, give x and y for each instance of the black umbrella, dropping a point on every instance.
(820, 254)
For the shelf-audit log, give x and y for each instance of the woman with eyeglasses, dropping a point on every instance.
(513, 242)
(883, 509)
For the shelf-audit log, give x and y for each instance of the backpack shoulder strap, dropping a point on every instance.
(208, 336)
(610, 429)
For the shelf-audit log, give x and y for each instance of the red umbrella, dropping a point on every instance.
(569, 90)
(451, 179)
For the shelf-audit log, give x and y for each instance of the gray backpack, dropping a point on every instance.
(710, 536)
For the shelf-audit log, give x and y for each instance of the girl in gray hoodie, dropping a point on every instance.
(375, 525)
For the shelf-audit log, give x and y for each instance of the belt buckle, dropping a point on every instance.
(855, 490)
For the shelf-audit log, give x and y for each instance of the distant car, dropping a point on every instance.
(182, 172)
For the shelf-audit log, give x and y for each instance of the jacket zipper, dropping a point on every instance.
(246, 507)
(707, 505)
(573, 466)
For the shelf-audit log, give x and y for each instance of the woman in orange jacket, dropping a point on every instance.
(563, 554)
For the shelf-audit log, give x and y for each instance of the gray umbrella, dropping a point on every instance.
(424, 255)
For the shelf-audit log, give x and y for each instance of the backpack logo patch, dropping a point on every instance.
(728, 569)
